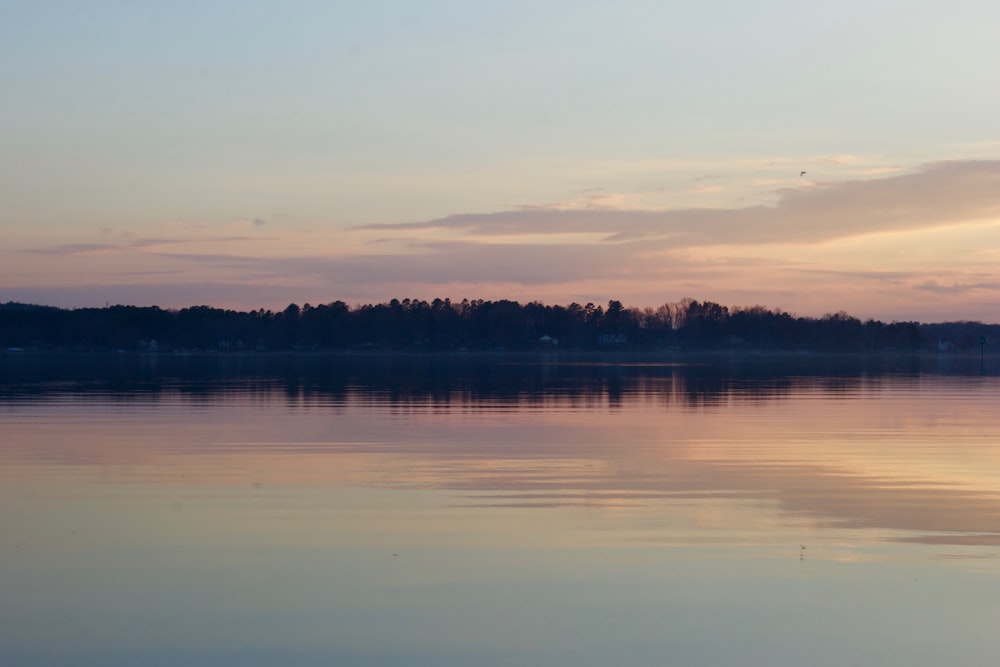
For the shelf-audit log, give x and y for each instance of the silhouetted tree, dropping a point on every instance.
(475, 324)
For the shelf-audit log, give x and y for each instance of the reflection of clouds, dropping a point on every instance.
(908, 458)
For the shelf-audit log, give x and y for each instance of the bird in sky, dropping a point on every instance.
(801, 174)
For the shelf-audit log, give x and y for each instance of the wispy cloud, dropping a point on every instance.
(73, 249)
(936, 195)
(137, 244)
(939, 287)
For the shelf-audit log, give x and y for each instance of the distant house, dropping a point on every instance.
(548, 341)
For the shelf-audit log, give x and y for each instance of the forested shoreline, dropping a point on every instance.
(443, 325)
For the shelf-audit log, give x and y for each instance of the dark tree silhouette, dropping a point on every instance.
(441, 325)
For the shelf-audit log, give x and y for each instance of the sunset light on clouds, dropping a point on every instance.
(248, 155)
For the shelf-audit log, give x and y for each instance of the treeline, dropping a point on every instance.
(442, 325)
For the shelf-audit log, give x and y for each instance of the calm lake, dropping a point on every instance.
(497, 510)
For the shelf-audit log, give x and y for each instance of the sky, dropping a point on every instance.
(253, 154)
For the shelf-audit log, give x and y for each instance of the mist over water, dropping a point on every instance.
(498, 510)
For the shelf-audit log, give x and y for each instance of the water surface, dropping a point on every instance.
(498, 511)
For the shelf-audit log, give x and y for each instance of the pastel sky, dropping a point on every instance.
(251, 154)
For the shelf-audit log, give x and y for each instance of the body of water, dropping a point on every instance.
(555, 510)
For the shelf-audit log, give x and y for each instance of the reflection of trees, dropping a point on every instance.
(439, 379)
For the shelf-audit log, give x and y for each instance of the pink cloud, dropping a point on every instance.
(644, 258)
